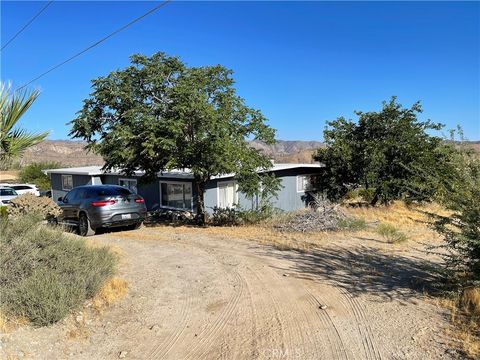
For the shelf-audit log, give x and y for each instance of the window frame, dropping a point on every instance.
(304, 190)
(177, 183)
(66, 176)
(129, 180)
(235, 184)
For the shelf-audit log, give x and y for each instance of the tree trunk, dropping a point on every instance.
(200, 184)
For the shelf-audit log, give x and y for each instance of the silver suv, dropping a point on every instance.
(92, 207)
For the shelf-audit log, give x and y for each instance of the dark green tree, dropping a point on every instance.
(33, 174)
(378, 152)
(159, 114)
(459, 191)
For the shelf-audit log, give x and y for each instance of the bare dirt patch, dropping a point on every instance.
(214, 293)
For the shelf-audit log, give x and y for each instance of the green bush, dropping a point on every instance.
(225, 216)
(352, 224)
(29, 204)
(3, 211)
(391, 234)
(362, 193)
(235, 216)
(45, 273)
(33, 174)
(460, 193)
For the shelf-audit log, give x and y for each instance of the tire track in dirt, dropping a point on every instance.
(163, 348)
(276, 288)
(208, 335)
(285, 292)
(332, 332)
(362, 325)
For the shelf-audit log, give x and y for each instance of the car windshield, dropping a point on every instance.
(7, 192)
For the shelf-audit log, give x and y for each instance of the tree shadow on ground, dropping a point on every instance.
(365, 270)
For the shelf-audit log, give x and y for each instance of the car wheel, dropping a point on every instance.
(84, 227)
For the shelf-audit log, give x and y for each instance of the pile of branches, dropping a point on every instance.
(322, 216)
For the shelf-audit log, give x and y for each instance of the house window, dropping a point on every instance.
(227, 194)
(306, 182)
(176, 195)
(67, 182)
(129, 184)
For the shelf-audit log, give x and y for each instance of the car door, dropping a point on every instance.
(68, 205)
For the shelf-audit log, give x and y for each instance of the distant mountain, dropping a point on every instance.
(73, 153)
(288, 151)
(66, 152)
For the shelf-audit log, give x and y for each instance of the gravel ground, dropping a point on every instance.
(198, 296)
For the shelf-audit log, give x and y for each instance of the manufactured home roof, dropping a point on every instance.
(97, 170)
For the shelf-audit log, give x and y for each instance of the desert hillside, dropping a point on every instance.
(73, 153)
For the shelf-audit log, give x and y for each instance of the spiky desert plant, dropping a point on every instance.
(13, 139)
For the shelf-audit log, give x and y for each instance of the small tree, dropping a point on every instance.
(33, 174)
(158, 114)
(14, 140)
(459, 192)
(377, 152)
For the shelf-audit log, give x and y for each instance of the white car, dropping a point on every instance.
(6, 195)
(23, 188)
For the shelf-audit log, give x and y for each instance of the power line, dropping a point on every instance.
(96, 43)
(26, 25)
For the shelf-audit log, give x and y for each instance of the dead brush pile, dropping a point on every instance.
(322, 216)
(311, 221)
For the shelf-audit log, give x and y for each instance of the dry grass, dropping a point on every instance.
(465, 316)
(410, 220)
(8, 324)
(113, 290)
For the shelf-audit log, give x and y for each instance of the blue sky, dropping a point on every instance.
(301, 63)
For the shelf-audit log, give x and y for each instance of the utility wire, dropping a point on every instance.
(96, 43)
(27, 24)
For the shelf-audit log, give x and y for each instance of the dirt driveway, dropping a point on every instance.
(197, 296)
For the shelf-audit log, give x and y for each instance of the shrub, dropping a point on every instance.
(29, 204)
(3, 211)
(225, 216)
(256, 216)
(235, 216)
(352, 224)
(33, 174)
(361, 193)
(44, 273)
(460, 193)
(391, 234)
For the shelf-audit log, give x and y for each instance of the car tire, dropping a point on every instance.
(84, 226)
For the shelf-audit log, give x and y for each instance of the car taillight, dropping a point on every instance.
(103, 203)
(140, 201)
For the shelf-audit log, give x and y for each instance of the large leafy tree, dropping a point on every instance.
(13, 139)
(159, 114)
(385, 152)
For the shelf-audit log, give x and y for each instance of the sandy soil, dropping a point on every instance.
(197, 296)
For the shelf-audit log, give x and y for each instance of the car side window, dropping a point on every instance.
(70, 196)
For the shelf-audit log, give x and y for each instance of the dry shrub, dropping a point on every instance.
(45, 274)
(28, 204)
(465, 316)
(470, 301)
(112, 290)
(391, 233)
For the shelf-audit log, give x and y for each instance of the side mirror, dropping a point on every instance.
(60, 199)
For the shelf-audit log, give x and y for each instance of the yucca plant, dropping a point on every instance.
(14, 140)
